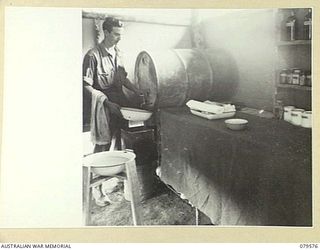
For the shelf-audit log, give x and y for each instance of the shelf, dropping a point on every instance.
(291, 86)
(292, 54)
(295, 42)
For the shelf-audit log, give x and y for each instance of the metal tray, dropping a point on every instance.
(211, 116)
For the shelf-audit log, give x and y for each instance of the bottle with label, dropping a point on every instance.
(307, 25)
(308, 78)
(291, 26)
(296, 76)
(302, 78)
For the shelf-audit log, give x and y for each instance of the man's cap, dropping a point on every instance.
(111, 22)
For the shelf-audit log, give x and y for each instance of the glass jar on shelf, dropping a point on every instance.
(296, 76)
(289, 76)
(308, 79)
(302, 79)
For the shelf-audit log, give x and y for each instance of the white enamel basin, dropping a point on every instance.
(109, 162)
(133, 114)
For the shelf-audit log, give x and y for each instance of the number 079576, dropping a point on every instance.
(308, 246)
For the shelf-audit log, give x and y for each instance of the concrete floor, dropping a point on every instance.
(165, 208)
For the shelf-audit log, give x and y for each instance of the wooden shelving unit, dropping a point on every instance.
(294, 43)
(293, 54)
(291, 86)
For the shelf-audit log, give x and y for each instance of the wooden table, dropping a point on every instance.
(259, 176)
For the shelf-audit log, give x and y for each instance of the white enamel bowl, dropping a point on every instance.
(236, 124)
(108, 163)
(133, 114)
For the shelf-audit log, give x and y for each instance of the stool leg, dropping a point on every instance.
(123, 145)
(86, 195)
(133, 185)
(113, 143)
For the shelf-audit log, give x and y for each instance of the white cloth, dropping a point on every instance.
(201, 106)
(100, 119)
(211, 107)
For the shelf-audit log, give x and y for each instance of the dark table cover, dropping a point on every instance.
(258, 176)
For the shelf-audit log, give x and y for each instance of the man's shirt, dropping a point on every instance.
(100, 65)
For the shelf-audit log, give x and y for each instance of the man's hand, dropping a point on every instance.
(120, 75)
(114, 108)
(140, 92)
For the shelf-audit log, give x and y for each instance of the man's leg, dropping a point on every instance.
(100, 199)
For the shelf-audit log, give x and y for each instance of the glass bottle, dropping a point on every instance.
(307, 25)
(291, 26)
(278, 109)
(308, 78)
(289, 76)
(302, 79)
(283, 76)
(296, 76)
(281, 110)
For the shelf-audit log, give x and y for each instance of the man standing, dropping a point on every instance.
(103, 78)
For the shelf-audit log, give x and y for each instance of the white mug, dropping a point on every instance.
(296, 116)
(306, 119)
(287, 113)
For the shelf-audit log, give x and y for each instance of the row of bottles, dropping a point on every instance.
(291, 26)
(295, 76)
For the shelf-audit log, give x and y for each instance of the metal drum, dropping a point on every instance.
(172, 77)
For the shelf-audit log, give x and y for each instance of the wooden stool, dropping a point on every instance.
(106, 165)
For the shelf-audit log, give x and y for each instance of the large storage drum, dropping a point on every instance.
(172, 77)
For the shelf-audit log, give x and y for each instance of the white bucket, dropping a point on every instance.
(296, 116)
(108, 163)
